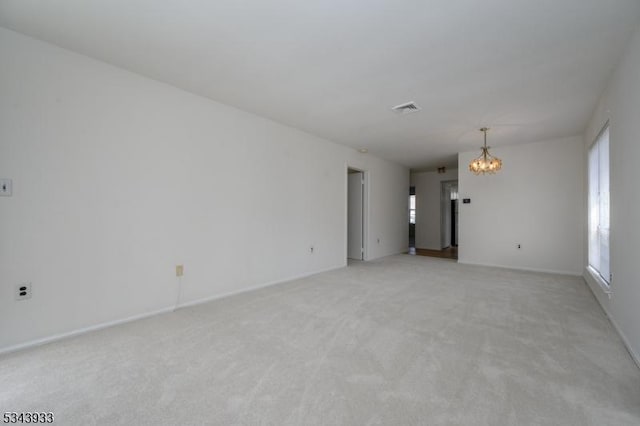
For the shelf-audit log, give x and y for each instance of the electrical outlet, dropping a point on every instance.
(23, 291)
(5, 188)
(519, 246)
(179, 270)
(378, 240)
(311, 248)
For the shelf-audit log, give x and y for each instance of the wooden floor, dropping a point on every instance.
(447, 253)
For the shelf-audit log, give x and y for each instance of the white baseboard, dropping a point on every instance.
(83, 330)
(256, 287)
(519, 268)
(634, 356)
(66, 335)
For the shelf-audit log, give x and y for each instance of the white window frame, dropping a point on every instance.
(598, 208)
(412, 211)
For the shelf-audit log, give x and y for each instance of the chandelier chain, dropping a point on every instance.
(485, 163)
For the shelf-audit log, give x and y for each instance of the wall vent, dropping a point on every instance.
(406, 108)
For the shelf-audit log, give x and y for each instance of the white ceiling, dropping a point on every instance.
(531, 70)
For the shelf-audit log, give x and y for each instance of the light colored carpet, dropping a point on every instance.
(402, 340)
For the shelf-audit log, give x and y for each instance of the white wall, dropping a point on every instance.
(536, 200)
(118, 178)
(620, 104)
(388, 210)
(428, 206)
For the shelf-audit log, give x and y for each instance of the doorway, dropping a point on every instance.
(449, 214)
(356, 194)
(412, 219)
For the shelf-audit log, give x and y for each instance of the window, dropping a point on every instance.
(412, 209)
(412, 205)
(599, 226)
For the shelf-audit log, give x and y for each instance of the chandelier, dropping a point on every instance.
(485, 163)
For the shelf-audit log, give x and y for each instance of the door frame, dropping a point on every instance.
(443, 184)
(365, 211)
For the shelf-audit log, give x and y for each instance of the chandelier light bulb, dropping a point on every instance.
(485, 163)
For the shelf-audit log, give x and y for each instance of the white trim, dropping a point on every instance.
(96, 327)
(604, 286)
(602, 129)
(518, 268)
(256, 287)
(443, 219)
(366, 176)
(634, 356)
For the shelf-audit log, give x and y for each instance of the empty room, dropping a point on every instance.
(319, 212)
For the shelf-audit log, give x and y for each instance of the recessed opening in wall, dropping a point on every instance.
(449, 216)
(356, 214)
(412, 218)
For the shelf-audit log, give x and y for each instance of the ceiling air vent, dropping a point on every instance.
(406, 108)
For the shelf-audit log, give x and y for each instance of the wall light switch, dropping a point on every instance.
(5, 188)
(179, 270)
